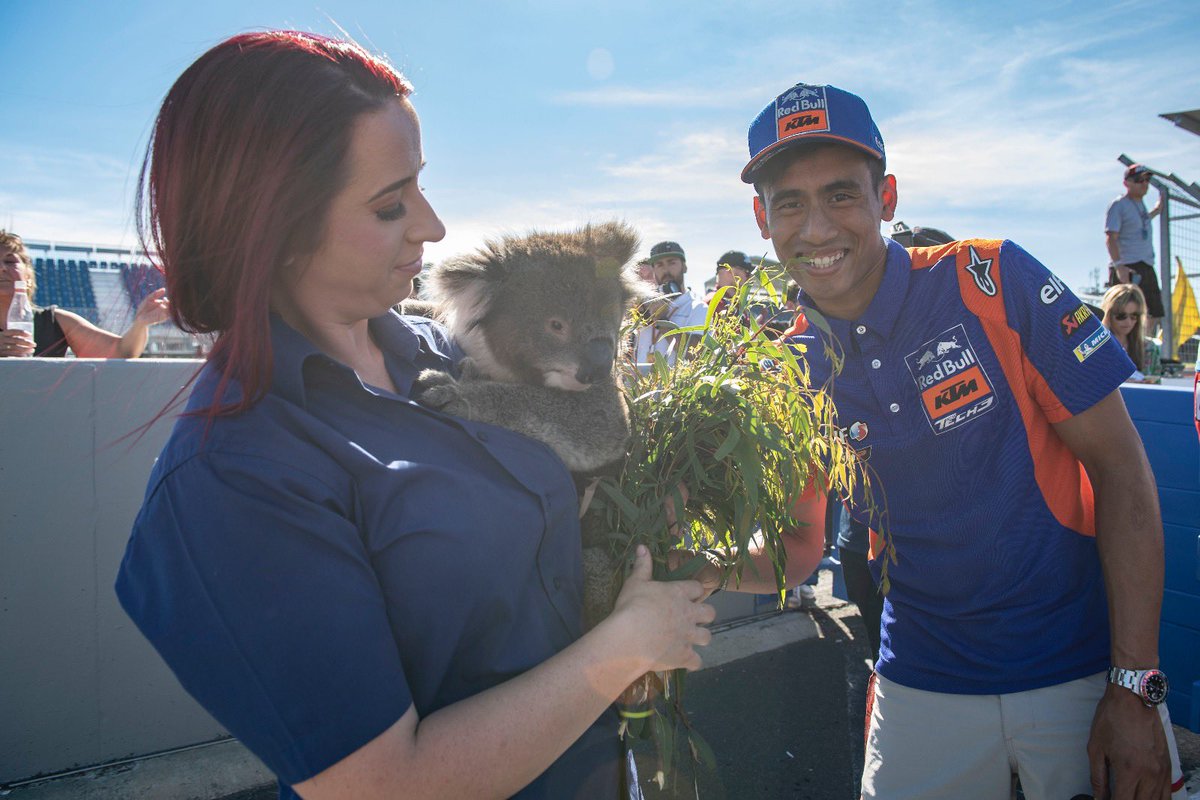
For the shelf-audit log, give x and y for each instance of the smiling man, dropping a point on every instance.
(985, 398)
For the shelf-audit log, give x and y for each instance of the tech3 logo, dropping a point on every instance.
(953, 385)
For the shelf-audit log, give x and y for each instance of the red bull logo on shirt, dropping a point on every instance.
(800, 111)
(953, 384)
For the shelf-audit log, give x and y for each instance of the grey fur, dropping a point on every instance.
(500, 305)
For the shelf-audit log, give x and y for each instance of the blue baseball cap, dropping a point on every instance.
(806, 113)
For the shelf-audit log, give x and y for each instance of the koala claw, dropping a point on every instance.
(437, 390)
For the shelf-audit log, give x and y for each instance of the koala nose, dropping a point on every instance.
(597, 360)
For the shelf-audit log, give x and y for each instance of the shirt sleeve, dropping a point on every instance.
(1075, 362)
(698, 313)
(250, 579)
(1112, 219)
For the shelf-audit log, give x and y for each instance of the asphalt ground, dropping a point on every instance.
(784, 723)
(781, 704)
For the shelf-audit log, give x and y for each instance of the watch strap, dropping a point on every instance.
(1134, 680)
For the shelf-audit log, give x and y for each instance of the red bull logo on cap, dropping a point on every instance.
(802, 110)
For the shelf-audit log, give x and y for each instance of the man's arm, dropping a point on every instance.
(804, 545)
(1126, 735)
(1114, 256)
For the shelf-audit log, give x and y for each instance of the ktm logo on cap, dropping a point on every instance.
(815, 119)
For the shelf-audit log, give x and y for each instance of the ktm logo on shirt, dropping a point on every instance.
(813, 119)
(956, 392)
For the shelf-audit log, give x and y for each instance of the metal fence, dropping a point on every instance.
(1179, 239)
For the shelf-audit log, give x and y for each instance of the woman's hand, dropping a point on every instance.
(663, 620)
(154, 308)
(14, 344)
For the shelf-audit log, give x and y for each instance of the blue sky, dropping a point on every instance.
(1001, 119)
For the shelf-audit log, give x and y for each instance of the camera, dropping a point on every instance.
(670, 288)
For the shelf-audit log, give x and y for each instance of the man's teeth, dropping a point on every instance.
(823, 261)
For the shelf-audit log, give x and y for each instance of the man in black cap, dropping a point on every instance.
(1013, 510)
(1130, 246)
(733, 269)
(675, 308)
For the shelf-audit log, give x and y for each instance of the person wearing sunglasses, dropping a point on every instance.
(1124, 307)
(1130, 247)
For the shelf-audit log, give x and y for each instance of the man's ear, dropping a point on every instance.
(760, 216)
(888, 193)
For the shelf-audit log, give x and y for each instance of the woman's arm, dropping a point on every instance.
(89, 341)
(494, 743)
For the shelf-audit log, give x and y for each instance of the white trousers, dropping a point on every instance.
(929, 745)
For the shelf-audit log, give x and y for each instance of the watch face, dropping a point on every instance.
(1154, 687)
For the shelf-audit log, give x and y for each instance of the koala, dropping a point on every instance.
(538, 317)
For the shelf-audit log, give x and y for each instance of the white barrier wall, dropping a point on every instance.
(79, 686)
(78, 683)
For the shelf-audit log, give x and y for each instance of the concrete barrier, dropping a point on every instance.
(79, 686)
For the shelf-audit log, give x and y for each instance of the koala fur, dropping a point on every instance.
(538, 317)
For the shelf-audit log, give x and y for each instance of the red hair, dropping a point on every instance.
(248, 150)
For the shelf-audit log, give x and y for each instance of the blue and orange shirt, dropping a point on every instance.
(952, 381)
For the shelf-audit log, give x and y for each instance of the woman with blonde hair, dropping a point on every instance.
(1124, 309)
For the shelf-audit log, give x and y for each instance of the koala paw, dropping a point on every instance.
(438, 390)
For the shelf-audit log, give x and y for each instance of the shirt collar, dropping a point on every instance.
(398, 338)
(884, 308)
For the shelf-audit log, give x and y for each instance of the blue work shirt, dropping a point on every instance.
(315, 566)
(953, 379)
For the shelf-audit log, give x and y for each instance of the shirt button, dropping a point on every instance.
(876, 364)
(558, 583)
(861, 329)
(482, 436)
(895, 407)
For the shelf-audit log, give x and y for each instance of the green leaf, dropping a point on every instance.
(701, 751)
(727, 446)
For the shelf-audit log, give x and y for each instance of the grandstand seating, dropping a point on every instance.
(140, 280)
(66, 283)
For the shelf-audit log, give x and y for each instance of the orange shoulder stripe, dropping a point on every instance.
(1060, 477)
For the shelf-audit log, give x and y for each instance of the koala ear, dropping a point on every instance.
(464, 287)
(611, 244)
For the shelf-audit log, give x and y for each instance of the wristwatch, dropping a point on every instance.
(1148, 684)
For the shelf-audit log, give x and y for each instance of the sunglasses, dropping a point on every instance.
(1140, 179)
(1121, 316)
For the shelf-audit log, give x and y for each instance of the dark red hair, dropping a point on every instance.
(247, 153)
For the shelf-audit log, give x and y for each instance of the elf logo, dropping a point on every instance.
(1051, 290)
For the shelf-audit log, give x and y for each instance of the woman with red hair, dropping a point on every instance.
(379, 600)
